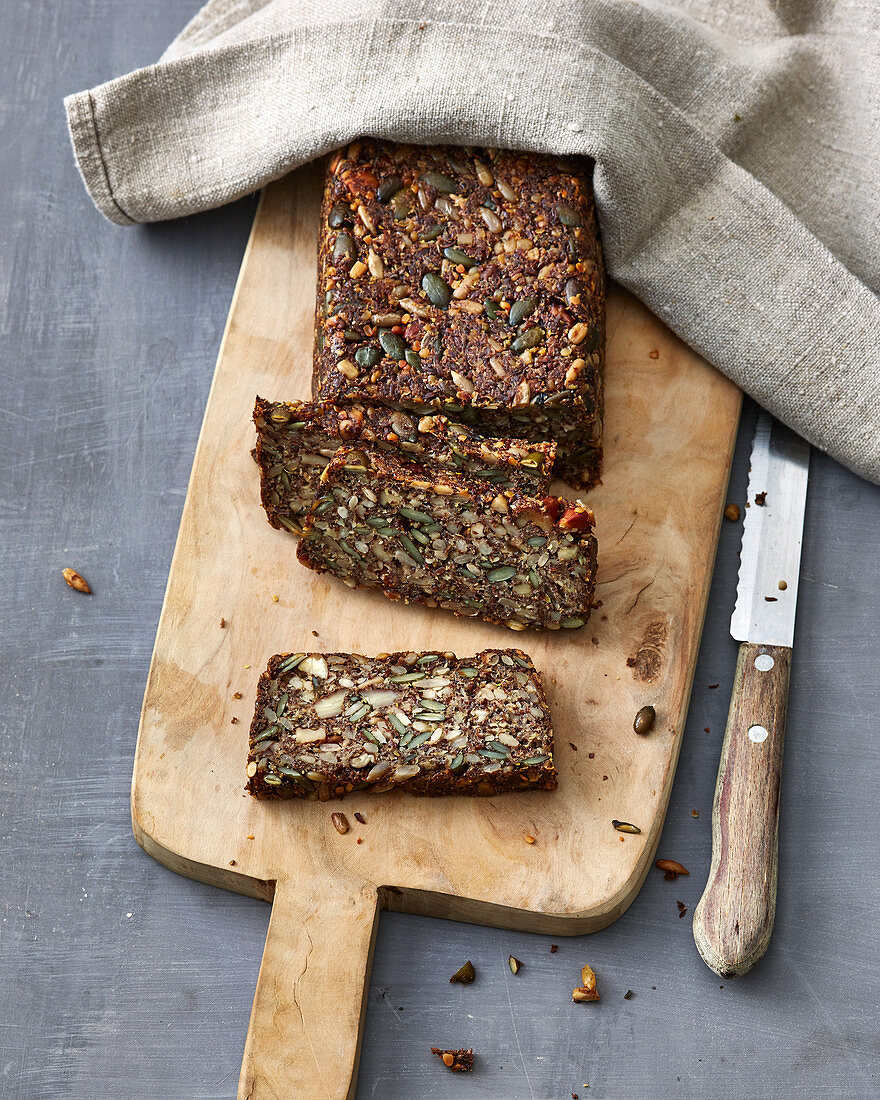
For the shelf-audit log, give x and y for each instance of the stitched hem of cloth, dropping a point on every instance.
(86, 143)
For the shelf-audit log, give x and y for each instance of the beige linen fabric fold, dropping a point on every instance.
(736, 147)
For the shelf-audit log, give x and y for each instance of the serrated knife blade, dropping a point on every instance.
(766, 595)
(733, 920)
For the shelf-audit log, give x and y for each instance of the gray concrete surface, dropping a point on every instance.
(122, 980)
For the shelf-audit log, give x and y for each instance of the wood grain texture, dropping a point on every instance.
(670, 430)
(305, 1028)
(733, 921)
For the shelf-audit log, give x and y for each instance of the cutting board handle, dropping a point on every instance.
(304, 1034)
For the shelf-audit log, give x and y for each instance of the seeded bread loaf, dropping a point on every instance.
(432, 723)
(296, 440)
(428, 535)
(468, 282)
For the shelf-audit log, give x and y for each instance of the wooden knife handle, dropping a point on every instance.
(305, 1029)
(733, 920)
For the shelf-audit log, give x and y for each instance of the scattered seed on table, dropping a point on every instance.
(75, 581)
(465, 974)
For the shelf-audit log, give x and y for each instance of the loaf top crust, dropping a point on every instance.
(457, 278)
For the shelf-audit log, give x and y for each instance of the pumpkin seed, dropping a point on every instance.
(536, 759)
(393, 345)
(439, 182)
(498, 746)
(368, 357)
(412, 358)
(352, 334)
(593, 341)
(398, 725)
(420, 740)
(568, 215)
(491, 754)
(456, 256)
(415, 516)
(529, 339)
(571, 624)
(344, 248)
(574, 288)
(520, 310)
(514, 964)
(625, 826)
(433, 704)
(468, 673)
(432, 233)
(411, 549)
(439, 292)
(338, 216)
(272, 780)
(266, 735)
(458, 763)
(534, 579)
(291, 662)
(400, 203)
(388, 188)
(407, 677)
(490, 308)
(538, 540)
(644, 720)
(503, 573)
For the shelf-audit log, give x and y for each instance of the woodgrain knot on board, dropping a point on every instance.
(649, 658)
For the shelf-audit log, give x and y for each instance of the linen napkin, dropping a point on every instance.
(736, 145)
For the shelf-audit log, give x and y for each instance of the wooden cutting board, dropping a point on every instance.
(670, 430)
